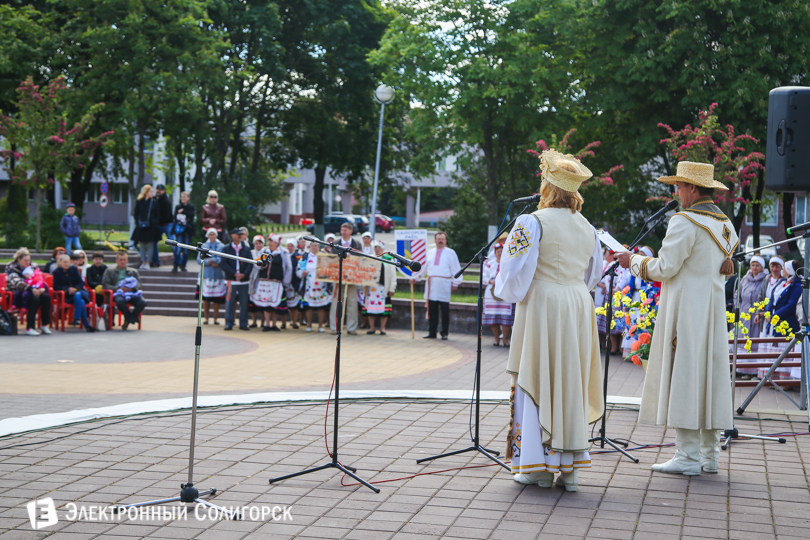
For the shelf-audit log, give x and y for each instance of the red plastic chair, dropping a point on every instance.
(5, 296)
(113, 309)
(65, 312)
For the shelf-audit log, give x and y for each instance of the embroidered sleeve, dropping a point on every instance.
(519, 261)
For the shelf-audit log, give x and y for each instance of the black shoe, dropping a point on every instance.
(371, 332)
(429, 336)
(228, 327)
(294, 326)
(89, 329)
(245, 328)
(274, 328)
(125, 325)
(183, 269)
(174, 269)
(444, 337)
(266, 328)
(254, 325)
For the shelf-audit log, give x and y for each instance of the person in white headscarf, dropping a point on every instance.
(749, 293)
(766, 290)
(378, 297)
(268, 286)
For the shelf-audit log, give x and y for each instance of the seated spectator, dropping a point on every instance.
(67, 278)
(81, 261)
(95, 273)
(31, 297)
(52, 263)
(113, 279)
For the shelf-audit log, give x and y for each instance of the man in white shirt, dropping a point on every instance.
(350, 298)
(442, 265)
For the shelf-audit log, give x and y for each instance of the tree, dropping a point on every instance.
(43, 146)
(485, 78)
(734, 165)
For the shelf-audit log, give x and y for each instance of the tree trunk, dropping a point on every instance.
(37, 202)
(317, 194)
(141, 158)
(81, 179)
(257, 136)
(756, 208)
(181, 165)
(787, 217)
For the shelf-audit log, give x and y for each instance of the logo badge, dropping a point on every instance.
(42, 513)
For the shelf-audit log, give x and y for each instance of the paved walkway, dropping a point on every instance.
(762, 489)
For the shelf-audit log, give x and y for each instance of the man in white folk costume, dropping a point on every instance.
(552, 259)
(442, 265)
(688, 383)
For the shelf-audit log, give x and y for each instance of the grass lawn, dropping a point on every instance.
(419, 300)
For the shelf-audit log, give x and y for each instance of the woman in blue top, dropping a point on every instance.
(784, 299)
(68, 278)
(214, 288)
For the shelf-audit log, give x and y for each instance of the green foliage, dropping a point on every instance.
(467, 229)
(14, 216)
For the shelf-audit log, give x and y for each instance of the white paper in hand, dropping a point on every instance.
(610, 242)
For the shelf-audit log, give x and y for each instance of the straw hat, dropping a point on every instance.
(699, 174)
(551, 163)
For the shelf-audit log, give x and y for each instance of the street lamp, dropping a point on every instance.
(382, 95)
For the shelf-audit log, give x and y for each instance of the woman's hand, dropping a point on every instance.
(213, 264)
(304, 274)
(72, 291)
(37, 292)
(601, 285)
(757, 319)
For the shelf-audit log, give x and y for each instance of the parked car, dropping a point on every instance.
(764, 240)
(384, 223)
(332, 223)
(360, 221)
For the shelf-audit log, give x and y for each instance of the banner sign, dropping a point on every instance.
(411, 244)
(356, 270)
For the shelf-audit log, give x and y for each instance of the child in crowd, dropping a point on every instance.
(96, 272)
(70, 228)
(33, 277)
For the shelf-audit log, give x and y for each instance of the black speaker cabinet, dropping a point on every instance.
(787, 157)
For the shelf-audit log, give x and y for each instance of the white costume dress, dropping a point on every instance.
(316, 293)
(552, 259)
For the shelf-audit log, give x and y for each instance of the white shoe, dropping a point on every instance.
(687, 457)
(541, 478)
(31, 332)
(309, 329)
(569, 480)
(709, 451)
(321, 329)
(45, 330)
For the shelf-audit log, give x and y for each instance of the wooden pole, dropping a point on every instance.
(413, 319)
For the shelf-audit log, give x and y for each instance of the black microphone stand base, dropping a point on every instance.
(730, 435)
(346, 470)
(475, 448)
(615, 443)
(188, 494)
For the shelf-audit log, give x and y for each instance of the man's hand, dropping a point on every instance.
(624, 259)
(412, 281)
(455, 288)
(213, 264)
(36, 292)
(304, 274)
(239, 276)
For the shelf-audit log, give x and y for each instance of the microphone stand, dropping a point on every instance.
(803, 334)
(188, 492)
(603, 439)
(476, 443)
(342, 253)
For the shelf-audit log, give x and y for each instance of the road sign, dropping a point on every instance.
(104, 187)
(103, 201)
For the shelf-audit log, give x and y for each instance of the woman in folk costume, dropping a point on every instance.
(293, 298)
(378, 297)
(498, 315)
(553, 261)
(317, 295)
(268, 285)
(214, 290)
(256, 253)
(687, 384)
(636, 285)
(769, 285)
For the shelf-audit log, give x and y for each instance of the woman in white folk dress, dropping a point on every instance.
(317, 294)
(378, 298)
(268, 286)
(553, 259)
(293, 296)
(214, 289)
(498, 315)
(256, 253)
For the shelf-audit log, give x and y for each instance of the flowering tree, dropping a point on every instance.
(564, 146)
(734, 165)
(39, 147)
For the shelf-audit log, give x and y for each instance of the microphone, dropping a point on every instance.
(415, 266)
(799, 228)
(263, 261)
(309, 238)
(671, 205)
(533, 199)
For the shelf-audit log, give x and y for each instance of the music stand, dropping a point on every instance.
(188, 492)
(342, 253)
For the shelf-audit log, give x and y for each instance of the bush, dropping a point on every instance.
(467, 227)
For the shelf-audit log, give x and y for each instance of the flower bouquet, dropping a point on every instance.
(636, 319)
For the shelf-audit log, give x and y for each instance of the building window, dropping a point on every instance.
(120, 193)
(769, 216)
(801, 210)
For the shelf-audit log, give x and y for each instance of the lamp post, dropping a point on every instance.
(382, 95)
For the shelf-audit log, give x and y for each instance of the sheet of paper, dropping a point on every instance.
(610, 242)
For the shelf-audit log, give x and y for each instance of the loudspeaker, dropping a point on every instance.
(787, 158)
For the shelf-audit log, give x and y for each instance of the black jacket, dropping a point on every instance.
(146, 210)
(188, 211)
(228, 266)
(95, 275)
(166, 214)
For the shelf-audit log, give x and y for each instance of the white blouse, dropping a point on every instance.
(517, 273)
